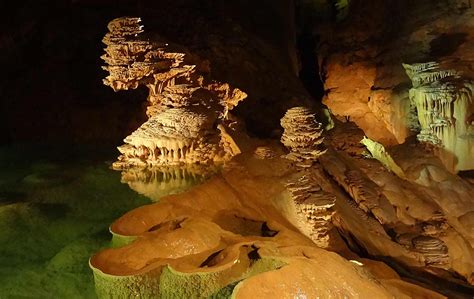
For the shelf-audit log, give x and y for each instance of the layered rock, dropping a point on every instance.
(302, 136)
(411, 208)
(314, 209)
(174, 136)
(393, 82)
(264, 152)
(185, 108)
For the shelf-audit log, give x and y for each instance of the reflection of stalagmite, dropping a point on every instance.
(161, 181)
(184, 109)
(302, 135)
(445, 105)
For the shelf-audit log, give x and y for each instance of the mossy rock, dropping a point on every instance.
(119, 240)
(218, 284)
(166, 282)
(131, 286)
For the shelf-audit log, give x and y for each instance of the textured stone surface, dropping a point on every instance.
(445, 107)
(229, 237)
(361, 61)
(408, 206)
(302, 136)
(314, 207)
(185, 107)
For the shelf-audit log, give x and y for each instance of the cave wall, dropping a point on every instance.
(52, 88)
(249, 44)
(362, 60)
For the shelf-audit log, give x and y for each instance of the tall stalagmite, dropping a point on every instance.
(314, 207)
(188, 112)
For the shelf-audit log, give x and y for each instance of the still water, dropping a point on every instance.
(55, 209)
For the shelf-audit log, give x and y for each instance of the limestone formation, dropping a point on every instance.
(378, 151)
(408, 207)
(445, 104)
(314, 209)
(302, 136)
(263, 216)
(365, 83)
(185, 107)
(174, 136)
(227, 239)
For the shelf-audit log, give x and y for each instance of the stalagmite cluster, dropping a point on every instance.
(185, 108)
(302, 135)
(314, 209)
(176, 135)
(434, 250)
(445, 105)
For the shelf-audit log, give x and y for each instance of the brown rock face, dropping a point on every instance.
(362, 60)
(408, 206)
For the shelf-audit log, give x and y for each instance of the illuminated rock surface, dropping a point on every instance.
(228, 238)
(410, 209)
(229, 198)
(302, 135)
(445, 107)
(363, 59)
(312, 206)
(185, 107)
(271, 222)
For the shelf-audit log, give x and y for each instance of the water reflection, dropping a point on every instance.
(157, 182)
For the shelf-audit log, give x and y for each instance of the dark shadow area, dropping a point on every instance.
(50, 51)
(446, 44)
(52, 86)
(309, 73)
(467, 175)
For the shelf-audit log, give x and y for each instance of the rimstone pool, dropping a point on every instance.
(54, 214)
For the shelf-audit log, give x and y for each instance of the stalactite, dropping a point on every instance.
(444, 102)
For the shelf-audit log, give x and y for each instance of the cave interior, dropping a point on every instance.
(237, 149)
